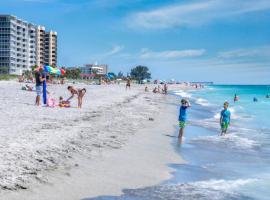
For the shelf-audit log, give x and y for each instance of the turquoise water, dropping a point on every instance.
(231, 167)
(239, 162)
(245, 107)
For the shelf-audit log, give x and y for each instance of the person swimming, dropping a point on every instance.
(255, 99)
(268, 96)
(236, 98)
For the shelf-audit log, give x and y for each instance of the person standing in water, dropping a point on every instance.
(236, 98)
(182, 117)
(225, 119)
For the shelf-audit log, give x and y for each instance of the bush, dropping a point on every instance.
(5, 77)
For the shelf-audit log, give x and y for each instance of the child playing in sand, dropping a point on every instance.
(63, 103)
(79, 92)
(183, 117)
(146, 89)
(225, 119)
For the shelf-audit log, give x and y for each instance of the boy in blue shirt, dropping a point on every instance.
(182, 117)
(225, 119)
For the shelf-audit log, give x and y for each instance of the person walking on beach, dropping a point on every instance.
(165, 89)
(183, 117)
(79, 92)
(128, 83)
(40, 78)
(225, 118)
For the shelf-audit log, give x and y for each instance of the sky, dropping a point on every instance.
(224, 41)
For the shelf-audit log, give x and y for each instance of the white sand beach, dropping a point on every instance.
(70, 153)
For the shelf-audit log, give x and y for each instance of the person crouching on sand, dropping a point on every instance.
(79, 92)
(183, 117)
(63, 103)
(225, 119)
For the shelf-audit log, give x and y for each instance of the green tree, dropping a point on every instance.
(4, 70)
(73, 73)
(112, 76)
(120, 75)
(140, 73)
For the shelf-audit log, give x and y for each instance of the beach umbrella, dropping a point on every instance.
(54, 70)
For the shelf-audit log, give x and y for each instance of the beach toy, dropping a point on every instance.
(64, 105)
(51, 102)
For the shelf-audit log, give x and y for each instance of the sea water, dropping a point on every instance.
(230, 167)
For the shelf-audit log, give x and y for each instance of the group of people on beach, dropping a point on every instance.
(225, 115)
(158, 89)
(225, 118)
(40, 77)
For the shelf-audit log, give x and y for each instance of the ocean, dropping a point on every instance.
(231, 167)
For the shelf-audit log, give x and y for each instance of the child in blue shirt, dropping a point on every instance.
(225, 119)
(182, 117)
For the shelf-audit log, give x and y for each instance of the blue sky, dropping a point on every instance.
(225, 41)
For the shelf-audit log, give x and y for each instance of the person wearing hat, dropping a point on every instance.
(182, 117)
(225, 119)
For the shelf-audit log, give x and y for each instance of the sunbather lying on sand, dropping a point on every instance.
(27, 87)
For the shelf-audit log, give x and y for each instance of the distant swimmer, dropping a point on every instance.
(268, 96)
(236, 98)
(255, 99)
(225, 118)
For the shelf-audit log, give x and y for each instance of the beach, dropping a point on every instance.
(117, 140)
(122, 145)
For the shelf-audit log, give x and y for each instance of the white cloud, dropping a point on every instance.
(116, 49)
(255, 52)
(145, 53)
(196, 13)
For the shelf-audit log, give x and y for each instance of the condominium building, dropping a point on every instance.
(40, 45)
(92, 70)
(23, 45)
(51, 48)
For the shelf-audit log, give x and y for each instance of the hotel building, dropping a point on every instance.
(23, 45)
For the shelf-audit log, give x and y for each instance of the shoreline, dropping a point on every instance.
(99, 175)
